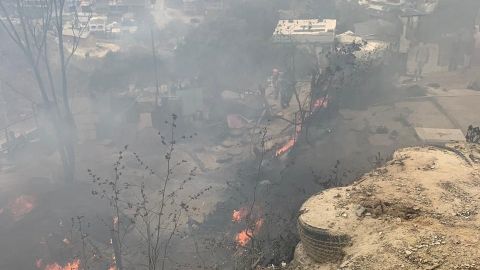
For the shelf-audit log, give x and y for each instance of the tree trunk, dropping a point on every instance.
(68, 119)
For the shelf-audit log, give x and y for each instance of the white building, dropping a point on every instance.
(382, 5)
(313, 31)
(98, 24)
(427, 6)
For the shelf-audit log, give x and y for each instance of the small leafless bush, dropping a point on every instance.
(147, 213)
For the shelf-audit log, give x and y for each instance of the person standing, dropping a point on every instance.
(287, 88)
(454, 53)
(275, 86)
(468, 47)
(421, 59)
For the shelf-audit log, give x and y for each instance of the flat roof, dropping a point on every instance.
(305, 31)
(439, 135)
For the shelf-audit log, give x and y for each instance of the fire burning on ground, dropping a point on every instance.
(240, 214)
(73, 265)
(21, 206)
(316, 105)
(243, 237)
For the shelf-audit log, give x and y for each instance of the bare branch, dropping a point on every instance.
(11, 29)
(77, 36)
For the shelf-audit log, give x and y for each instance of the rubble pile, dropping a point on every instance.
(419, 211)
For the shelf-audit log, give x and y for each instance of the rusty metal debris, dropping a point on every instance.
(473, 134)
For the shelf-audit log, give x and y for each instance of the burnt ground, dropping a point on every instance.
(284, 186)
(337, 151)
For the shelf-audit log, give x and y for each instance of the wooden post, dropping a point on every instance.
(116, 244)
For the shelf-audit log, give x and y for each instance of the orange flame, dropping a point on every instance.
(21, 206)
(74, 265)
(240, 214)
(321, 102)
(242, 238)
(282, 150)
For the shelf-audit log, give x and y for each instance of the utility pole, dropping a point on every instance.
(3, 106)
(155, 66)
(154, 52)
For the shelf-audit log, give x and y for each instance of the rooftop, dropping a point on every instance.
(417, 8)
(305, 31)
(382, 5)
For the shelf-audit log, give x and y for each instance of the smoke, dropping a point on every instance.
(203, 68)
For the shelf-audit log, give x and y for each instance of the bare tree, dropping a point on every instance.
(33, 26)
(152, 212)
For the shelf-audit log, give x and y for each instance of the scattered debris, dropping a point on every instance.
(473, 134)
(474, 85)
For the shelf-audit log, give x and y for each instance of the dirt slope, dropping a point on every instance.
(420, 211)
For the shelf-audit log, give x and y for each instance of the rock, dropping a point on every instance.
(344, 264)
(360, 211)
(408, 252)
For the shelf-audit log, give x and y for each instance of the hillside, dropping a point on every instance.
(419, 211)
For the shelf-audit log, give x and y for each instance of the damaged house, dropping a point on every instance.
(449, 43)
